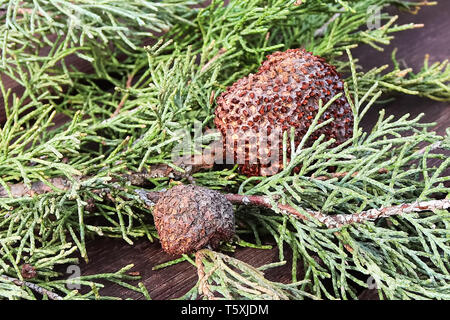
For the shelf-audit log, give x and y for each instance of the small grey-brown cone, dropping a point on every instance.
(189, 218)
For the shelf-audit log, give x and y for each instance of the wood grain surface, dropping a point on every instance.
(109, 255)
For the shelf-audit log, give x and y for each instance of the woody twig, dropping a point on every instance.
(51, 295)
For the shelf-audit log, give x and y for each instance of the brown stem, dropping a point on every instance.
(136, 178)
(125, 97)
(161, 170)
(51, 295)
(383, 212)
(217, 56)
(190, 164)
(262, 201)
(331, 221)
(339, 220)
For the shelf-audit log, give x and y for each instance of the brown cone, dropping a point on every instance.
(189, 218)
(253, 113)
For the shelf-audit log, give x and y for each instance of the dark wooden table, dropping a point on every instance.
(109, 255)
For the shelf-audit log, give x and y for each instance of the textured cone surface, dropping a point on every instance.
(189, 217)
(253, 113)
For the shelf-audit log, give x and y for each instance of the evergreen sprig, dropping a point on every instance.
(223, 276)
(125, 115)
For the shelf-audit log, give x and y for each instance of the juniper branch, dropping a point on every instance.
(221, 280)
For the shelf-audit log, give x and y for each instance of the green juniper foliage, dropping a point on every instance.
(124, 111)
